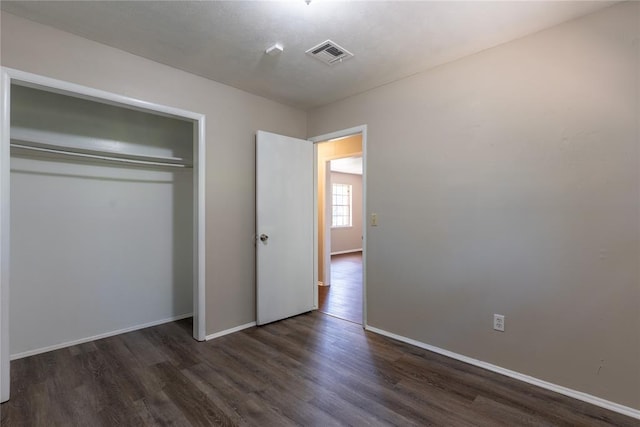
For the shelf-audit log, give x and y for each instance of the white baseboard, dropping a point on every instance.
(230, 331)
(594, 400)
(97, 337)
(349, 251)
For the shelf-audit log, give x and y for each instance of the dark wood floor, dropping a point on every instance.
(343, 298)
(311, 370)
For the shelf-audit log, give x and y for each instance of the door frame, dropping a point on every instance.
(11, 76)
(362, 129)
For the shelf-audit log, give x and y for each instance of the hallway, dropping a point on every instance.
(343, 298)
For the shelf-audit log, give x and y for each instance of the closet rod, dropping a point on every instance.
(98, 157)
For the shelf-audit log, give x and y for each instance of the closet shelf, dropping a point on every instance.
(177, 162)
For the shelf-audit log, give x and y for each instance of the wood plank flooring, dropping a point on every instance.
(343, 298)
(311, 370)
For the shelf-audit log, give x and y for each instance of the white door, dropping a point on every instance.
(284, 225)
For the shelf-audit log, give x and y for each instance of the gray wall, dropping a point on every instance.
(508, 182)
(232, 118)
(349, 238)
(96, 249)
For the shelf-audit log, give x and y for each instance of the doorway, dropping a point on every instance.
(287, 227)
(341, 220)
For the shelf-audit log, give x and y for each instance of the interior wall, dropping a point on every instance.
(232, 119)
(509, 182)
(345, 147)
(96, 249)
(345, 239)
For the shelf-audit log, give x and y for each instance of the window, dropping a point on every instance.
(341, 198)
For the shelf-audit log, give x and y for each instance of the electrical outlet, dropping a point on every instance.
(498, 322)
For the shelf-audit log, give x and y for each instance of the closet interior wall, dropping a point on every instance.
(101, 219)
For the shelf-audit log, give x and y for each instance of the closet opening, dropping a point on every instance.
(103, 199)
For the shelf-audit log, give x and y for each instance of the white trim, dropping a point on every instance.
(36, 81)
(22, 78)
(362, 130)
(594, 400)
(348, 251)
(327, 214)
(97, 337)
(230, 331)
(340, 134)
(199, 179)
(5, 226)
(316, 303)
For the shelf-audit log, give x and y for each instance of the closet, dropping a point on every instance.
(103, 218)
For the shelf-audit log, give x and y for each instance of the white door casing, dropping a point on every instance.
(9, 76)
(284, 226)
(4, 236)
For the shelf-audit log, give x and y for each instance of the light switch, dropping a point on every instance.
(374, 219)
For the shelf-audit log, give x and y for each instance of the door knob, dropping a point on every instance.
(264, 237)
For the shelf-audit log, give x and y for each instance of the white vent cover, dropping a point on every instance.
(329, 52)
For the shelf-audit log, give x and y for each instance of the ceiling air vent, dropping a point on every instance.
(329, 52)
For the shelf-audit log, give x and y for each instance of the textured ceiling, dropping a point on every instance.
(225, 41)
